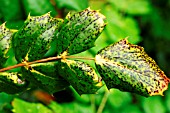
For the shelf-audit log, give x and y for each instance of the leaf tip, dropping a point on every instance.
(29, 16)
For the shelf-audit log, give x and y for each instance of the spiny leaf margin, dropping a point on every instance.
(79, 31)
(80, 75)
(127, 67)
(33, 39)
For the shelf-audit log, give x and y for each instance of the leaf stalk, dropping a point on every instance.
(44, 60)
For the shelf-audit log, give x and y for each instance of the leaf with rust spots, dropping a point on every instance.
(79, 31)
(80, 75)
(33, 39)
(45, 76)
(127, 67)
(5, 42)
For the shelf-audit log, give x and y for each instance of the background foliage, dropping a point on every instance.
(146, 22)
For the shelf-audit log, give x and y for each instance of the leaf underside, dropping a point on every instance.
(128, 68)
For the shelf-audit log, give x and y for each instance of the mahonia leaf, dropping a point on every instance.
(80, 75)
(128, 68)
(5, 42)
(33, 39)
(11, 82)
(45, 76)
(79, 31)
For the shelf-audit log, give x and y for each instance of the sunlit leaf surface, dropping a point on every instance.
(33, 39)
(5, 42)
(80, 75)
(45, 76)
(127, 67)
(79, 31)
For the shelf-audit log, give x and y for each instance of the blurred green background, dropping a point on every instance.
(145, 22)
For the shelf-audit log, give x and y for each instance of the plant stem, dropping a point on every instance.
(92, 98)
(103, 102)
(43, 60)
(29, 63)
(78, 57)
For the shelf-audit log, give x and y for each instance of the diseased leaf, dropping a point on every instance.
(11, 82)
(45, 76)
(80, 75)
(79, 31)
(5, 42)
(121, 65)
(128, 68)
(32, 40)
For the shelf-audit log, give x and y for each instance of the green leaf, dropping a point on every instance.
(11, 10)
(45, 76)
(72, 4)
(39, 7)
(61, 109)
(21, 106)
(5, 42)
(167, 100)
(134, 7)
(15, 24)
(118, 99)
(153, 105)
(11, 82)
(79, 31)
(72, 107)
(32, 40)
(80, 75)
(132, 108)
(5, 102)
(120, 26)
(127, 67)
